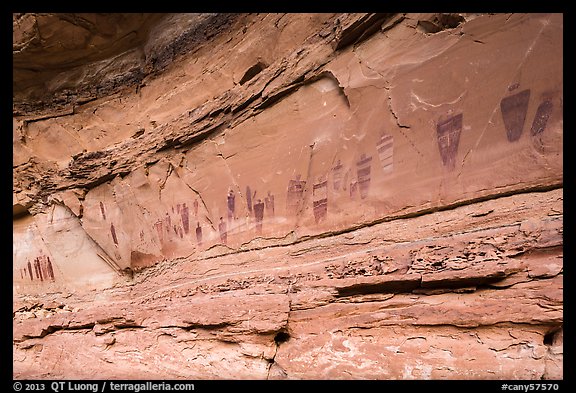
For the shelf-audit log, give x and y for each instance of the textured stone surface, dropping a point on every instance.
(289, 196)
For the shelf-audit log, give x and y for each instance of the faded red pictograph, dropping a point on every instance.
(353, 188)
(541, 118)
(514, 109)
(185, 218)
(223, 231)
(249, 199)
(259, 215)
(230, 202)
(294, 195)
(167, 222)
(195, 208)
(199, 234)
(102, 210)
(30, 271)
(113, 233)
(448, 136)
(269, 202)
(158, 226)
(40, 269)
(337, 176)
(363, 166)
(385, 148)
(320, 199)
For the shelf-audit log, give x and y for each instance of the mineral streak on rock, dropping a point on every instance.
(288, 196)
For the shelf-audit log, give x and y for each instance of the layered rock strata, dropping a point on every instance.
(288, 196)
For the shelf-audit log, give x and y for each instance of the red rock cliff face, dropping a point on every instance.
(288, 196)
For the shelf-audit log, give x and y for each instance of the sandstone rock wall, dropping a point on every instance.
(301, 196)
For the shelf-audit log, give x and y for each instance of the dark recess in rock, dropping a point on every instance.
(252, 72)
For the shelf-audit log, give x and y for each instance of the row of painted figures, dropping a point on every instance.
(40, 269)
(513, 110)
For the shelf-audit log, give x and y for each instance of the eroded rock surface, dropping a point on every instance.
(288, 196)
